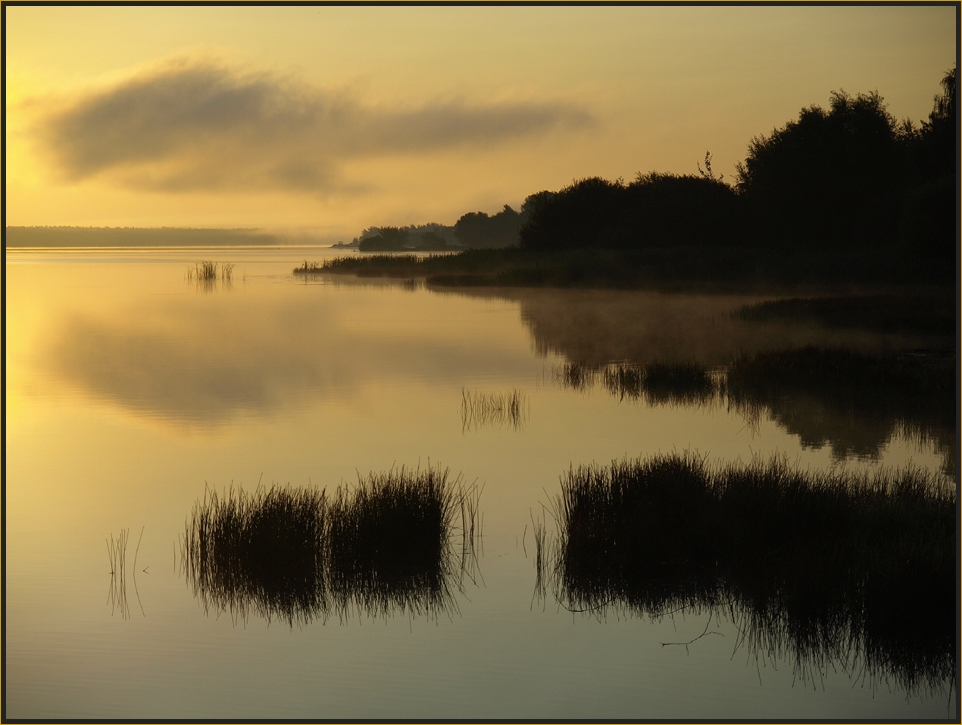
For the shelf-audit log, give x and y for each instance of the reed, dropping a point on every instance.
(310, 268)
(503, 409)
(260, 552)
(826, 567)
(208, 272)
(117, 556)
(386, 545)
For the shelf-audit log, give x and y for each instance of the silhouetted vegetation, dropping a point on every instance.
(837, 196)
(477, 230)
(398, 239)
(833, 569)
(210, 271)
(386, 546)
(656, 210)
(928, 314)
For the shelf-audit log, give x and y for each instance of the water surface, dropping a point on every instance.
(131, 390)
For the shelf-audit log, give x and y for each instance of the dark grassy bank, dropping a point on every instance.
(830, 568)
(930, 314)
(386, 546)
(669, 269)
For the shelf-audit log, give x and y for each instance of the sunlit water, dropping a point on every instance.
(131, 388)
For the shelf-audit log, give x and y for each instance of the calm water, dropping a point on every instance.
(130, 389)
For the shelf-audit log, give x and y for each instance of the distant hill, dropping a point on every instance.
(133, 237)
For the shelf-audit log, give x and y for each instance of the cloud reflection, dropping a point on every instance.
(209, 359)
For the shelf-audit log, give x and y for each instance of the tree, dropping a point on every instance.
(831, 177)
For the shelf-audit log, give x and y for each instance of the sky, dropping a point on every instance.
(328, 120)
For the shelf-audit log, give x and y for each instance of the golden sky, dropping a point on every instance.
(332, 119)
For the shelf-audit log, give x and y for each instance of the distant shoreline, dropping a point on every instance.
(110, 237)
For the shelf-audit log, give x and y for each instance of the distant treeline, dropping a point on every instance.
(848, 178)
(474, 230)
(132, 237)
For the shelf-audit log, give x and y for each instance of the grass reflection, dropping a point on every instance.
(386, 546)
(831, 569)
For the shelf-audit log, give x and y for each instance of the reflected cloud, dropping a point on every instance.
(191, 124)
(207, 359)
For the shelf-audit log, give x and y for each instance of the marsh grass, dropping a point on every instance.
(207, 273)
(829, 568)
(661, 268)
(387, 545)
(259, 552)
(479, 409)
(310, 268)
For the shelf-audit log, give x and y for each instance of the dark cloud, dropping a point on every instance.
(201, 125)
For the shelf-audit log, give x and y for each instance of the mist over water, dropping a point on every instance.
(127, 406)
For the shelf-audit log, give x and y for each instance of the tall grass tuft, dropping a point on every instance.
(832, 568)
(387, 545)
(207, 273)
(479, 409)
(258, 552)
(310, 268)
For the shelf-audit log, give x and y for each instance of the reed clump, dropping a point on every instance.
(260, 552)
(831, 568)
(309, 268)
(209, 272)
(387, 545)
(479, 409)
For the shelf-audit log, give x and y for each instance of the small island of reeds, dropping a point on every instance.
(398, 541)
(828, 568)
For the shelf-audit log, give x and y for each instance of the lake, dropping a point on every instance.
(133, 390)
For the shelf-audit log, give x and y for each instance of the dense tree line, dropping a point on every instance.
(850, 176)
